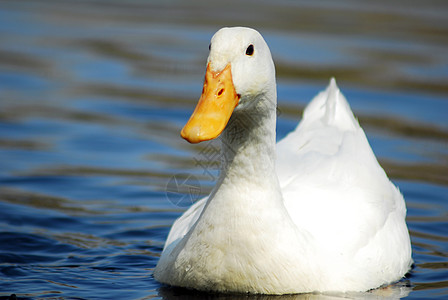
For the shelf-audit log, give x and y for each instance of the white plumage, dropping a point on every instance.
(315, 212)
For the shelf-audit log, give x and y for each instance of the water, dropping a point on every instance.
(93, 95)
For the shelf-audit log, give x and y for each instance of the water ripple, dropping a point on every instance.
(93, 95)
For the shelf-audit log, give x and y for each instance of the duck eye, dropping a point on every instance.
(250, 50)
(209, 46)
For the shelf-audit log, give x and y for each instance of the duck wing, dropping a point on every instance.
(334, 188)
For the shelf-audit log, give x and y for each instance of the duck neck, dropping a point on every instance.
(248, 145)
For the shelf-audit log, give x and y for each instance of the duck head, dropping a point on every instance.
(240, 73)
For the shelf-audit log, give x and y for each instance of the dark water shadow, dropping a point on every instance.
(395, 291)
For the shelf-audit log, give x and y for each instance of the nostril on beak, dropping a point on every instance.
(220, 92)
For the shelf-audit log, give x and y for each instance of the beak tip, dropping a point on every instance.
(191, 134)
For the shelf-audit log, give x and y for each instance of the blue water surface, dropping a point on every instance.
(93, 95)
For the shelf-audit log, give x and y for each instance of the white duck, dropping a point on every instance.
(320, 216)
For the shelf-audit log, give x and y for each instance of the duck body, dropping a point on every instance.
(313, 213)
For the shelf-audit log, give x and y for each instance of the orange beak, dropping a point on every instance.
(215, 107)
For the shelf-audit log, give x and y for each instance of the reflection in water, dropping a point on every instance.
(396, 291)
(93, 95)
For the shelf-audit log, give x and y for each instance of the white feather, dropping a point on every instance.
(316, 212)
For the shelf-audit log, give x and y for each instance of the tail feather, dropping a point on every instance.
(331, 108)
